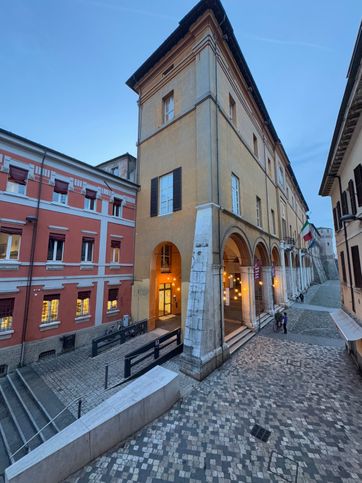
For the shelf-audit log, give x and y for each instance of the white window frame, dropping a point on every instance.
(60, 198)
(89, 246)
(116, 258)
(8, 247)
(259, 219)
(88, 204)
(117, 209)
(165, 194)
(55, 249)
(17, 188)
(235, 194)
(168, 107)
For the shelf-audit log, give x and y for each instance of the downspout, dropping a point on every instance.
(29, 281)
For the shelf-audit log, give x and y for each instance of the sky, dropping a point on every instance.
(64, 64)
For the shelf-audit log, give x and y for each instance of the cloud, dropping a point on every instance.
(297, 43)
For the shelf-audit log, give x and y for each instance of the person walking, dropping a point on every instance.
(285, 322)
(301, 296)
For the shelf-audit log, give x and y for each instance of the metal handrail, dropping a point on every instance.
(50, 422)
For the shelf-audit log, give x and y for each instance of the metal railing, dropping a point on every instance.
(26, 444)
(121, 335)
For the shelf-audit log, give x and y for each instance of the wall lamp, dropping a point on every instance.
(350, 217)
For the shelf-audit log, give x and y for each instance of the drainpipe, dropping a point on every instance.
(34, 220)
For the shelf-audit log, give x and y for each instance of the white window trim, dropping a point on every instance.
(59, 195)
(87, 243)
(113, 255)
(54, 259)
(169, 200)
(8, 250)
(168, 115)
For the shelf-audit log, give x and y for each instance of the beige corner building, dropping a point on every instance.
(342, 181)
(220, 211)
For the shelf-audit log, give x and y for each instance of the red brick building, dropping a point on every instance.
(66, 249)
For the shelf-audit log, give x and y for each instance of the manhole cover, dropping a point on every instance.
(284, 467)
(260, 433)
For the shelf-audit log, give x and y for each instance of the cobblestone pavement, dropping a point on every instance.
(327, 294)
(307, 395)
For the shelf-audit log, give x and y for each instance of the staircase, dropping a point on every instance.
(241, 336)
(26, 406)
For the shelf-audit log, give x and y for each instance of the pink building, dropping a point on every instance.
(66, 250)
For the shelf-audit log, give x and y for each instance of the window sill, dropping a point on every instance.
(49, 325)
(86, 266)
(114, 266)
(112, 312)
(54, 265)
(82, 318)
(9, 265)
(18, 195)
(57, 203)
(6, 334)
(90, 211)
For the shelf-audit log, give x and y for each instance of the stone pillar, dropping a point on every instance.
(204, 349)
(248, 296)
(291, 277)
(267, 290)
(281, 277)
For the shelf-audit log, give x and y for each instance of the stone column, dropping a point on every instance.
(282, 278)
(268, 290)
(248, 296)
(291, 277)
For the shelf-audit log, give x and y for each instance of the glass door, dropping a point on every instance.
(165, 299)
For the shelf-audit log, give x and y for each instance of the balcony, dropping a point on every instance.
(288, 242)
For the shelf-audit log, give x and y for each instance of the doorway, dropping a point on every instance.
(165, 299)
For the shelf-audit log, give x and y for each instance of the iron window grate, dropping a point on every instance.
(260, 433)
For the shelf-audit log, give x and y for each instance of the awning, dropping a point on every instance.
(346, 325)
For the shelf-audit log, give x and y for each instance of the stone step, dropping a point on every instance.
(235, 333)
(242, 341)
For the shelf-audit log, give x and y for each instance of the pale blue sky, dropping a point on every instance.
(64, 65)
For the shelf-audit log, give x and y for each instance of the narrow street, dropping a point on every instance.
(301, 387)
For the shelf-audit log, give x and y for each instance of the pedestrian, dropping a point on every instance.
(301, 296)
(285, 322)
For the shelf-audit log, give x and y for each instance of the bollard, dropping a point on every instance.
(106, 378)
(79, 408)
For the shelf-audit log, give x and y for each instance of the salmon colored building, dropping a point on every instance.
(66, 250)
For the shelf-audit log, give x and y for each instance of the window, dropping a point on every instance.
(339, 214)
(287, 192)
(235, 194)
(50, 308)
(90, 200)
(335, 221)
(112, 303)
(290, 231)
(344, 203)
(269, 167)
(356, 267)
(60, 193)
(166, 251)
(55, 247)
(283, 216)
(6, 314)
(343, 265)
(168, 107)
(358, 180)
(87, 249)
(281, 179)
(115, 170)
(232, 109)
(273, 221)
(83, 304)
(116, 251)
(258, 212)
(255, 145)
(352, 196)
(17, 180)
(166, 193)
(117, 207)
(9, 243)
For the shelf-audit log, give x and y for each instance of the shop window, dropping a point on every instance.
(117, 207)
(112, 303)
(17, 180)
(168, 107)
(6, 314)
(50, 310)
(90, 200)
(55, 247)
(10, 243)
(60, 193)
(83, 304)
(87, 249)
(116, 251)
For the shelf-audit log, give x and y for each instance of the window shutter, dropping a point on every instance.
(344, 203)
(356, 267)
(117, 202)
(52, 297)
(88, 240)
(343, 267)
(352, 196)
(177, 189)
(112, 294)
(115, 244)
(154, 197)
(84, 295)
(61, 187)
(6, 307)
(335, 219)
(358, 180)
(338, 207)
(10, 230)
(18, 175)
(57, 236)
(92, 195)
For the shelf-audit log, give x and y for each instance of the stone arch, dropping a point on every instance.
(275, 256)
(261, 252)
(241, 240)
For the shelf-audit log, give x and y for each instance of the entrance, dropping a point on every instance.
(164, 299)
(261, 261)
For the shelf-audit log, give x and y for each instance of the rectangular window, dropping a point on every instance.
(90, 200)
(255, 145)
(273, 221)
(283, 210)
(356, 267)
(83, 300)
(166, 251)
(117, 207)
(259, 221)
(115, 171)
(352, 196)
(60, 193)
(281, 179)
(116, 251)
(10, 243)
(335, 221)
(55, 247)
(112, 303)
(339, 214)
(269, 167)
(232, 109)
(6, 314)
(16, 180)
(166, 194)
(87, 249)
(235, 194)
(343, 266)
(50, 308)
(168, 107)
(344, 203)
(358, 181)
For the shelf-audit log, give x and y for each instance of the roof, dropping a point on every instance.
(74, 160)
(335, 160)
(184, 25)
(125, 155)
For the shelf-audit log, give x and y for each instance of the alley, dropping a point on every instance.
(308, 395)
